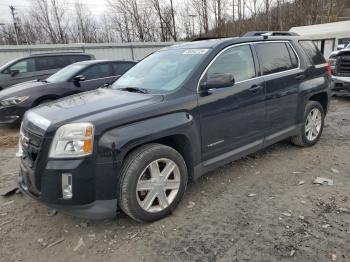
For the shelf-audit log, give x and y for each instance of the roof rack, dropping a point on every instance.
(270, 33)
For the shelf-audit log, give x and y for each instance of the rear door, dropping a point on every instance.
(48, 65)
(120, 68)
(281, 72)
(96, 76)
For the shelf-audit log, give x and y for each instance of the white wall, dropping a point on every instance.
(130, 51)
(328, 33)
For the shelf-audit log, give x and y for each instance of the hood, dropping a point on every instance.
(22, 89)
(85, 106)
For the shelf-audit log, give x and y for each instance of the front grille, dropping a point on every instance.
(343, 65)
(30, 144)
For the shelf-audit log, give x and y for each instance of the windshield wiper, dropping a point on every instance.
(134, 89)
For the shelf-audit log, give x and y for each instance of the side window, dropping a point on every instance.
(121, 68)
(97, 71)
(293, 56)
(47, 63)
(274, 57)
(313, 53)
(237, 61)
(24, 66)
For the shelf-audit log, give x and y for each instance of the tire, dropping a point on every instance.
(304, 139)
(136, 174)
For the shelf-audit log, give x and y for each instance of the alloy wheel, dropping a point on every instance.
(313, 124)
(158, 185)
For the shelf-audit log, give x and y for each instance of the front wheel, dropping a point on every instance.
(312, 127)
(152, 182)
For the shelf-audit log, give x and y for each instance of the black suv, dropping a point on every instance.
(179, 113)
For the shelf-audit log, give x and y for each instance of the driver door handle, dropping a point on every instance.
(300, 76)
(255, 88)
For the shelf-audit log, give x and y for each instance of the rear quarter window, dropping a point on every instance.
(276, 57)
(78, 58)
(312, 52)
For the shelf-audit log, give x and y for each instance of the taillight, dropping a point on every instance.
(329, 71)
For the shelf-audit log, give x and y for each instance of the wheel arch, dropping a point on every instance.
(43, 98)
(177, 130)
(322, 98)
(179, 142)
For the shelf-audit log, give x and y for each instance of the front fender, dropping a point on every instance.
(114, 144)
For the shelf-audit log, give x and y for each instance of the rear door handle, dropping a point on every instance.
(300, 76)
(255, 88)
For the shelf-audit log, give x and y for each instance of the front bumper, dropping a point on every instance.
(87, 201)
(11, 115)
(341, 85)
(99, 209)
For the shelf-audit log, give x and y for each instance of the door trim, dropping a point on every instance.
(233, 152)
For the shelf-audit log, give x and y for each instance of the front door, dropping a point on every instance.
(22, 71)
(233, 118)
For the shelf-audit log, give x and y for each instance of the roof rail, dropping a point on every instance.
(206, 38)
(58, 53)
(270, 33)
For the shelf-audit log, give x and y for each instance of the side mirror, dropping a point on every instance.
(14, 72)
(340, 47)
(105, 85)
(79, 78)
(217, 81)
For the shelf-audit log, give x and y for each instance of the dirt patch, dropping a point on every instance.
(8, 137)
(254, 209)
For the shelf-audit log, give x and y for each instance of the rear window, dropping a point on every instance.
(276, 57)
(46, 63)
(78, 58)
(313, 53)
(57, 62)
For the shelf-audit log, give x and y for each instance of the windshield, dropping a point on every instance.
(65, 74)
(162, 71)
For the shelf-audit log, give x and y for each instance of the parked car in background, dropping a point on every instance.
(37, 66)
(75, 78)
(340, 66)
(179, 113)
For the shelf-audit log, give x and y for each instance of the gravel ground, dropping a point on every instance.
(251, 210)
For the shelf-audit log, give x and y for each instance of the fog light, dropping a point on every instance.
(67, 188)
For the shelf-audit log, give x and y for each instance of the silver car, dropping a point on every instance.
(37, 66)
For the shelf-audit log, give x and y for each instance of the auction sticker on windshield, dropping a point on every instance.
(195, 51)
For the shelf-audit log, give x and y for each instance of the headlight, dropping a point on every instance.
(15, 100)
(73, 140)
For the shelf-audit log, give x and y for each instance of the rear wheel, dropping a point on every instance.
(152, 183)
(312, 126)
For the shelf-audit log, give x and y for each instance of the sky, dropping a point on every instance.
(96, 7)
